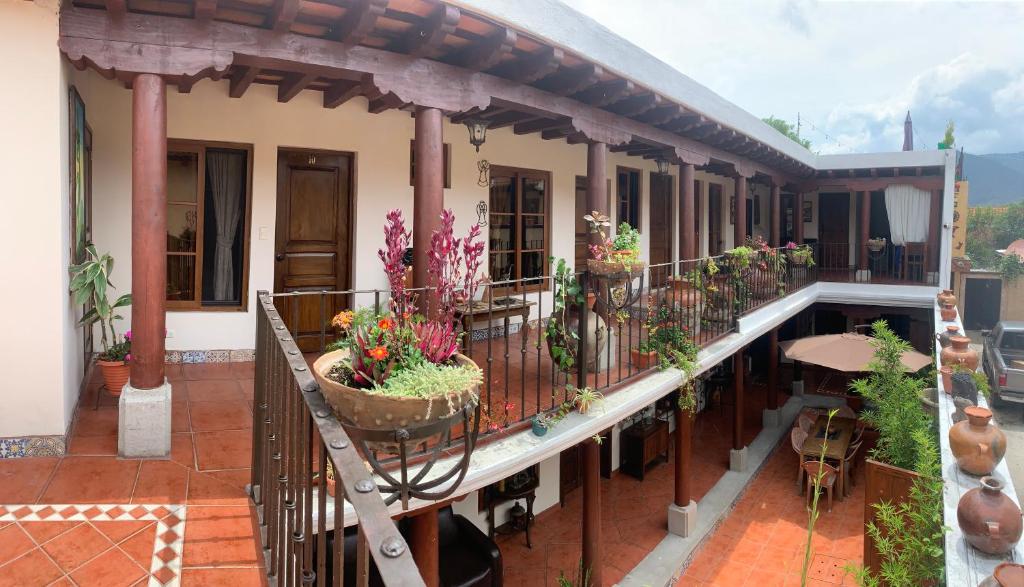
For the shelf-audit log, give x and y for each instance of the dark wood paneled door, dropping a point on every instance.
(834, 230)
(582, 231)
(660, 243)
(313, 240)
(715, 219)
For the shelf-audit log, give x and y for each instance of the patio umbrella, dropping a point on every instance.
(848, 352)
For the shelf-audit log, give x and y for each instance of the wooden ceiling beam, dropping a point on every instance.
(542, 124)
(282, 15)
(533, 67)
(510, 118)
(292, 84)
(571, 81)
(556, 133)
(116, 8)
(205, 9)
(241, 81)
(384, 103)
(358, 21)
(487, 53)
(606, 93)
(340, 92)
(577, 138)
(662, 115)
(636, 105)
(424, 39)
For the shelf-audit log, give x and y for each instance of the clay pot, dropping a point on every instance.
(596, 335)
(929, 401)
(947, 379)
(990, 521)
(951, 331)
(643, 360)
(115, 375)
(977, 444)
(1005, 575)
(946, 297)
(683, 293)
(964, 386)
(960, 352)
(948, 312)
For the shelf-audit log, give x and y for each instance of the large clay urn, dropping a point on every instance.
(944, 336)
(946, 297)
(1005, 575)
(948, 312)
(990, 521)
(960, 352)
(977, 444)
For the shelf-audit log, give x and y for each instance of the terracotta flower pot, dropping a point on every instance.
(115, 375)
(948, 312)
(642, 360)
(951, 331)
(990, 521)
(977, 444)
(1005, 575)
(947, 379)
(946, 297)
(683, 293)
(960, 352)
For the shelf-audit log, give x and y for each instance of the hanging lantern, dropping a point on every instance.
(477, 131)
(662, 164)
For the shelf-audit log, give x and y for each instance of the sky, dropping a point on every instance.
(850, 69)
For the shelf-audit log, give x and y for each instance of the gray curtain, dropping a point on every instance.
(224, 172)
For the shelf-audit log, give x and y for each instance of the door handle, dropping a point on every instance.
(279, 256)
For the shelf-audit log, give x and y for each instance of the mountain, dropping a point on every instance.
(995, 179)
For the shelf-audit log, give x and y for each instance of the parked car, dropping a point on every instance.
(1003, 360)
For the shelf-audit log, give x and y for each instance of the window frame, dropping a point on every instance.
(199, 147)
(619, 170)
(519, 174)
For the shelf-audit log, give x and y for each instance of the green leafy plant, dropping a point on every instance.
(1011, 266)
(568, 294)
(583, 398)
(627, 238)
(581, 579)
(788, 129)
(800, 254)
(812, 514)
(979, 377)
(90, 281)
(740, 257)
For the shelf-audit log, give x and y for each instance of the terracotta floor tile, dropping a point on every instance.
(139, 546)
(219, 415)
(120, 530)
(101, 422)
(248, 388)
(217, 390)
(206, 371)
(161, 482)
(42, 532)
(217, 488)
(111, 569)
(73, 548)
(14, 542)
(35, 568)
(244, 369)
(182, 451)
(224, 450)
(22, 480)
(179, 417)
(92, 480)
(174, 373)
(222, 577)
(93, 445)
(220, 536)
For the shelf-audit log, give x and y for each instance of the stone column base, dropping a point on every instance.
(682, 520)
(863, 275)
(770, 418)
(738, 460)
(798, 389)
(144, 422)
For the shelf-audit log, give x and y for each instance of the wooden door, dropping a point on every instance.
(834, 230)
(660, 243)
(715, 219)
(570, 471)
(313, 244)
(696, 222)
(582, 231)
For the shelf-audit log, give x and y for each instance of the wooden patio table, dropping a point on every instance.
(501, 308)
(840, 433)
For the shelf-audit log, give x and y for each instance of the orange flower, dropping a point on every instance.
(342, 320)
(379, 353)
(385, 324)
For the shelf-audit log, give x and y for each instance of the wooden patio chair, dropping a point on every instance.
(829, 474)
(797, 437)
(914, 258)
(849, 464)
(805, 421)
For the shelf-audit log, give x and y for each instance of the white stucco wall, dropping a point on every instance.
(42, 347)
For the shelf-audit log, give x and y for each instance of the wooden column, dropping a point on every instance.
(683, 447)
(423, 543)
(592, 511)
(772, 402)
(687, 236)
(934, 241)
(740, 212)
(775, 211)
(149, 230)
(737, 428)
(865, 228)
(428, 192)
(798, 219)
(597, 187)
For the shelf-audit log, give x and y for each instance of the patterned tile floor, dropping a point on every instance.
(90, 518)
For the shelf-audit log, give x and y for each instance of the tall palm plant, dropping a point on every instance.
(90, 281)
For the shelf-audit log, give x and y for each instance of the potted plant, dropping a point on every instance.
(617, 258)
(800, 255)
(398, 368)
(768, 269)
(541, 423)
(643, 355)
(584, 397)
(561, 332)
(876, 244)
(90, 284)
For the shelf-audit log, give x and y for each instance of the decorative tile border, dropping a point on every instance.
(210, 356)
(168, 542)
(32, 446)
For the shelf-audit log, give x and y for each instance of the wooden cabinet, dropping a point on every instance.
(643, 443)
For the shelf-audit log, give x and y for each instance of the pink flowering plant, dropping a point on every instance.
(402, 352)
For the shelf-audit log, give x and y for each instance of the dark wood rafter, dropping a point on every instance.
(341, 91)
(292, 84)
(117, 8)
(543, 124)
(487, 53)
(566, 82)
(556, 133)
(606, 93)
(174, 47)
(358, 21)
(662, 115)
(509, 119)
(636, 105)
(283, 15)
(205, 9)
(423, 40)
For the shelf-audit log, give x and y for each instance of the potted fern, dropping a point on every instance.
(90, 285)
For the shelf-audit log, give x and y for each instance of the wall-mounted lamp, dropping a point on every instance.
(477, 131)
(662, 164)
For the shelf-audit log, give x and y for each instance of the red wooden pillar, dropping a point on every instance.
(740, 212)
(428, 192)
(775, 211)
(149, 230)
(423, 529)
(591, 539)
(597, 190)
(737, 428)
(683, 447)
(772, 402)
(798, 219)
(687, 236)
(865, 228)
(934, 243)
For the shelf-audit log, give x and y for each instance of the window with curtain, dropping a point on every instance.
(627, 196)
(518, 226)
(208, 199)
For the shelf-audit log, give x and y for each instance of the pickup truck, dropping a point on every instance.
(1003, 360)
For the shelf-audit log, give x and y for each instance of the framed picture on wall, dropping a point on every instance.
(808, 211)
(732, 209)
(79, 173)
